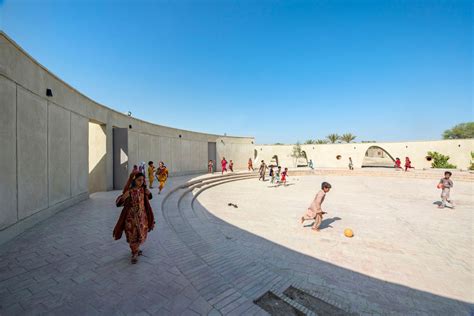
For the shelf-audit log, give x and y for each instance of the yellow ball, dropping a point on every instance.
(348, 232)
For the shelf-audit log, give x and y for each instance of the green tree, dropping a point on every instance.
(460, 131)
(321, 141)
(471, 167)
(278, 144)
(309, 142)
(297, 151)
(333, 138)
(440, 160)
(348, 137)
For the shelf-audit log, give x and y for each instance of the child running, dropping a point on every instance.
(224, 165)
(284, 174)
(315, 212)
(445, 184)
(162, 175)
(250, 164)
(231, 166)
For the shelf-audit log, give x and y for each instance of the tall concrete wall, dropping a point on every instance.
(57, 149)
(325, 156)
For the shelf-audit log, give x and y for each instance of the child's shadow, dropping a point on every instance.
(326, 222)
(439, 203)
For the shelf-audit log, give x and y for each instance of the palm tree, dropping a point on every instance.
(309, 142)
(321, 141)
(333, 138)
(348, 137)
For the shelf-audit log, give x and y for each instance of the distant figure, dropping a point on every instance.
(151, 173)
(351, 165)
(136, 218)
(277, 175)
(135, 169)
(141, 167)
(272, 175)
(224, 165)
(408, 164)
(315, 211)
(398, 164)
(250, 164)
(210, 167)
(284, 174)
(162, 176)
(445, 184)
(262, 170)
(231, 166)
(310, 164)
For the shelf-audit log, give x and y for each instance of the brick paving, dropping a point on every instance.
(194, 263)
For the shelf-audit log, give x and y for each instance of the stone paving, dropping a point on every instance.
(201, 262)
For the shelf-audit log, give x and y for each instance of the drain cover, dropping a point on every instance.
(312, 303)
(274, 305)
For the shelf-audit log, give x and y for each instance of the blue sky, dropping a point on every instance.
(281, 71)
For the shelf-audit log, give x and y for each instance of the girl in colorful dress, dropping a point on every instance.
(136, 218)
(162, 175)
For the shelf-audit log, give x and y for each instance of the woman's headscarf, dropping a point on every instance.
(130, 180)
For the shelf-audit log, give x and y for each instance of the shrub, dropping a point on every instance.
(440, 160)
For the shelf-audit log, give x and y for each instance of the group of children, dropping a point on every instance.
(277, 176)
(161, 174)
(210, 166)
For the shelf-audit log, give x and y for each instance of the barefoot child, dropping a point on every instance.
(262, 170)
(315, 211)
(210, 166)
(223, 165)
(231, 166)
(445, 184)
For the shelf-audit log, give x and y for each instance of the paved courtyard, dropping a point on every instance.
(204, 257)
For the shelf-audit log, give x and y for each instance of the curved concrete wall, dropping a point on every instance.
(325, 156)
(56, 150)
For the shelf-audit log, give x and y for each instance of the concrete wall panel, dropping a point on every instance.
(97, 157)
(32, 140)
(79, 154)
(8, 185)
(59, 154)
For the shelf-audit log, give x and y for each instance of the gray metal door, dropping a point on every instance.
(211, 153)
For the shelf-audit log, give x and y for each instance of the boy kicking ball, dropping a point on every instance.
(315, 211)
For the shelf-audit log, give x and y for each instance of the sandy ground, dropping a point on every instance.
(400, 234)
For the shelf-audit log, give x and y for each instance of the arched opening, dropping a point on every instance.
(255, 154)
(274, 161)
(377, 157)
(303, 160)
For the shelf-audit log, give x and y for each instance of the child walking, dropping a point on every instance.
(277, 175)
(151, 173)
(445, 184)
(315, 212)
(272, 175)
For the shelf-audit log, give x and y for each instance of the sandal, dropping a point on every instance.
(140, 252)
(134, 259)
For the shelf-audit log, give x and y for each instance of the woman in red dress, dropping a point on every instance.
(136, 218)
